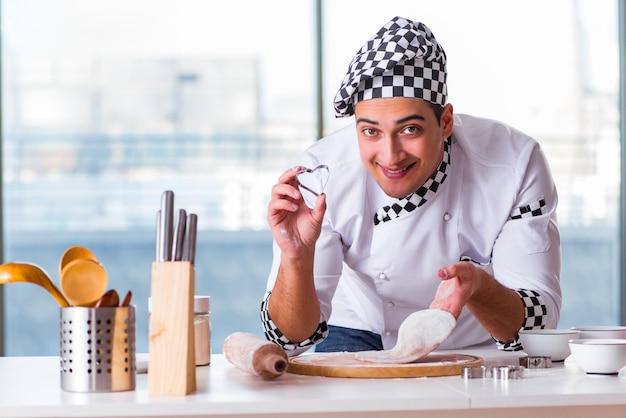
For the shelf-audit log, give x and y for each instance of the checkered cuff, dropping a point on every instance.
(535, 317)
(528, 211)
(273, 334)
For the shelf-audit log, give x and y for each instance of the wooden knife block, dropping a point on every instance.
(172, 367)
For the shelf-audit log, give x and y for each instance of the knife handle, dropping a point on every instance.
(189, 246)
(167, 225)
(179, 235)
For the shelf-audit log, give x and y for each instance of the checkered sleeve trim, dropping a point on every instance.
(535, 317)
(534, 209)
(273, 334)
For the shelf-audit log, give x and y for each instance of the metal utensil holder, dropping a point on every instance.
(97, 350)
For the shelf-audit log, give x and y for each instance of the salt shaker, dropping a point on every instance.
(202, 329)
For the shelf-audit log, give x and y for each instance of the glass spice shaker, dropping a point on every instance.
(202, 329)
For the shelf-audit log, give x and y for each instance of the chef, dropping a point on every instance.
(423, 208)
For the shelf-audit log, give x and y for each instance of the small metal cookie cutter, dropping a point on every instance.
(474, 372)
(536, 362)
(507, 372)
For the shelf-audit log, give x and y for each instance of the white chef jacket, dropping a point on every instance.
(371, 277)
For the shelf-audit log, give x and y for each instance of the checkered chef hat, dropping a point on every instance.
(402, 60)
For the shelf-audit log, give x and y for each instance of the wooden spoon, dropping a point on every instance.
(23, 272)
(83, 281)
(109, 300)
(126, 301)
(75, 253)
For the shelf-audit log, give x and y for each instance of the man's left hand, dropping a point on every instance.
(458, 283)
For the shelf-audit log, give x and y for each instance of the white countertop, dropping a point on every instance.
(30, 387)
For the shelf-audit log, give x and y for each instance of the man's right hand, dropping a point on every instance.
(294, 225)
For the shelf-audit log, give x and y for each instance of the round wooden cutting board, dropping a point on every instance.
(346, 365)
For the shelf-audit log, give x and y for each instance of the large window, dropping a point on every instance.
(105, 104)
(552, 71)
(108, 103)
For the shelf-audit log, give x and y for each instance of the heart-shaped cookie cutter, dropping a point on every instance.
(312, 182)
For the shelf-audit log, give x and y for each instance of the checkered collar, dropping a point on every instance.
(413, 201)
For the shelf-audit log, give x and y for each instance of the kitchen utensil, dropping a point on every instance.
(75, 253)
(507, 372)
(97, 350)
(126, 301)
(171, 338)
(166, 226)
(255, 355)
(189, 246)
(344, 364)
(179, 234)
(312, 182)
(23, 272)
(474, 372)
(109, 300)
(83, 281)
(536, 362)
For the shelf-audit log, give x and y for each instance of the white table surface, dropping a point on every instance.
(30, 387)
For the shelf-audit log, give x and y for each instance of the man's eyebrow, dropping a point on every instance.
(411, 117)
(399, 121)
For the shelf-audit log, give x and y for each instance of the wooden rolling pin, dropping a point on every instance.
(255, 355)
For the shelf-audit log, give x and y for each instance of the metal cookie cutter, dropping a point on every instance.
(536, 362)
(507, 372)
(474, 372)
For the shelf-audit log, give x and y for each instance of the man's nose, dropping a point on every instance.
(391, 151)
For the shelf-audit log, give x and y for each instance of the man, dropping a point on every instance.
(423, 209)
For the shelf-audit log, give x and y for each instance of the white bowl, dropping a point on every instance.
(599, 355)
(601, 331)
(547, 342)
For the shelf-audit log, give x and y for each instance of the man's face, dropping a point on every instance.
(401, 141)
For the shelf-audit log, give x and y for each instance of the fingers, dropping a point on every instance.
(287, 209)
(287, 185)
(289, 176)
(461, 269)
(285, 195)
(320, 208)
(459, 282)
(287, 200)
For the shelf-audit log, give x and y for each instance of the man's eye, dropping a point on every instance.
(411, 129)
(369, 132)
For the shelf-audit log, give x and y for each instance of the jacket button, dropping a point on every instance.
(390, 305)
(447, 216)
(383, 276)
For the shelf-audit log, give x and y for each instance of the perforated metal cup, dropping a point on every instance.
(97, 350)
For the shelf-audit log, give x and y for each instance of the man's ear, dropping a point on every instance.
(447, 120)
